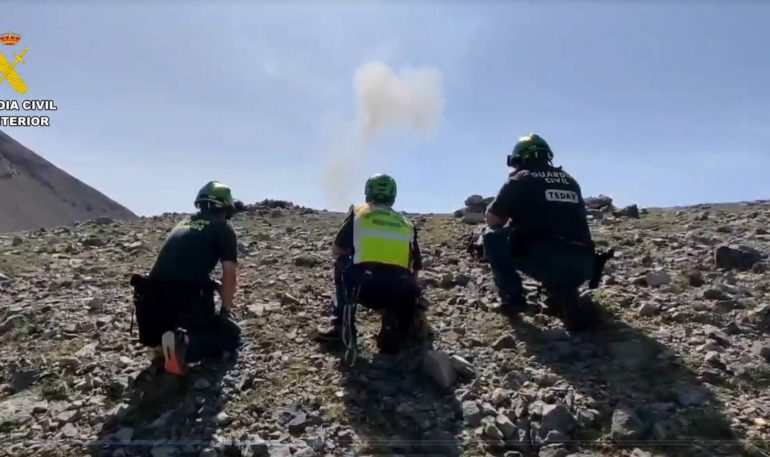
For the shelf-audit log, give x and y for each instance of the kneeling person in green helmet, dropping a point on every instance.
(175, 302)
(548, 236)
(377, 263)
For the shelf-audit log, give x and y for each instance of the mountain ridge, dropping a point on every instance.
(38, 194)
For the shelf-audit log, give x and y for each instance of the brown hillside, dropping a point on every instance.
(38, 194)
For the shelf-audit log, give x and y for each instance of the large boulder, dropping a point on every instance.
(736, 257)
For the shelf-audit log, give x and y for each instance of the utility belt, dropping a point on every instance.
(160, 306)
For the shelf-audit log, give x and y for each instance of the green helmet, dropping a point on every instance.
(380, 188)
(530, 148)
(216, 194)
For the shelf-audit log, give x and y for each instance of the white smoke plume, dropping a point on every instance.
(412, 99)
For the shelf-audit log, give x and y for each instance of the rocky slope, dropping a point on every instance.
(38, 194)
(680, 366)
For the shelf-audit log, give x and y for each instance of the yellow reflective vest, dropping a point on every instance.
(381, 235)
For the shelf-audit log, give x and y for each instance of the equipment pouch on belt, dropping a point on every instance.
(162, 306)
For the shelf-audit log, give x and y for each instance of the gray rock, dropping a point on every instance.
(506, 341)
(600, 202)
(657, 278)
(437, 365)
(11, 323)
(712, 358)
(627, 425)
(631, 211)
(640, 453)
(473, 218)
(462, 366)
(298, 424)
(472, 413)
(556, 437)
(69, 431)
(23, 379)
(491, 431)
(474, 200)
(208, 452)
(16, 241)
(736, 257)
(17, 409)
(305, 452)
(557, 417)
(648, 309)
(307, 261)
(499, 396)
(259, 448)
(761, 349)
(552, 451)
(506, 426)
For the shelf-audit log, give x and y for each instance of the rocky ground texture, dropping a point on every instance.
(680, 365)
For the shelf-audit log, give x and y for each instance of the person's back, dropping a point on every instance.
(193, 249)
(547, 202)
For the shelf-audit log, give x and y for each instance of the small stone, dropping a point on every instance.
(640, 453)
(305, 452)
(208, 452)
(307, 261)
(491, 431)
(462, 366)
(16, 241)
(557, 417)
(298, 423)
(506, 341)
(506, 426)
(552, 451)
(626, 424)
(648, 309)
(712, 358)
(69, 431)
(472, 413)
(499, 396)
(657, 278)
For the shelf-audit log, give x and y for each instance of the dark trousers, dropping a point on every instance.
(163, 306)
(375, 287)
(223, 334)
(552, 263)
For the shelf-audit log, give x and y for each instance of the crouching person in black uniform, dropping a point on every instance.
(175, 303)
(548, 237)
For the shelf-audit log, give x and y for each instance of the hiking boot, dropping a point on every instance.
(511, 304)
(333, 332)
(174, 346)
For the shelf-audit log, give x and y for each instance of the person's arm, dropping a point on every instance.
(228, 255)
(498, 212)
(229, 284)
(343, 242)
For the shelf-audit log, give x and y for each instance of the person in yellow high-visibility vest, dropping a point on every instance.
(377, 255)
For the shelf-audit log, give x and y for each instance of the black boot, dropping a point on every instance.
(511, 304)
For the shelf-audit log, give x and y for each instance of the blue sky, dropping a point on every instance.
(656, 103)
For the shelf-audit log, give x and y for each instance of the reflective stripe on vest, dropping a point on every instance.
(381, 235)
